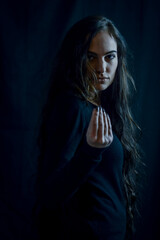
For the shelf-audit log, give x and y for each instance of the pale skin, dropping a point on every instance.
(102, 55)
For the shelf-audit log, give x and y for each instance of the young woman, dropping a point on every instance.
(87, 139)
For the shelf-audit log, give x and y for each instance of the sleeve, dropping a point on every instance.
(68, 158)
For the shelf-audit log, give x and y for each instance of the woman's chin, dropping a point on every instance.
(101, 87)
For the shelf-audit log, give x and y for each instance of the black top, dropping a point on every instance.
(81, 186)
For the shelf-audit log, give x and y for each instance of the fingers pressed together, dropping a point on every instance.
(99, 131)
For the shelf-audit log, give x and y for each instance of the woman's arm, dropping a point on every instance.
(69, 159)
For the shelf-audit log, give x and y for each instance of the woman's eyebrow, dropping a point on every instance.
(93, 53)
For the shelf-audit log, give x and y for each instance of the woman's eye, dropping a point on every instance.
(90, 58)
(110, 56)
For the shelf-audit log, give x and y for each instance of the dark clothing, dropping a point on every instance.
(82, 192)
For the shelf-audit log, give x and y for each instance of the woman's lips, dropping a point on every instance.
(102, 80)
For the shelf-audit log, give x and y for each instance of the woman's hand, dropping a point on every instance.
(99, 132)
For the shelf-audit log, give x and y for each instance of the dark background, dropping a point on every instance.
(30, 33)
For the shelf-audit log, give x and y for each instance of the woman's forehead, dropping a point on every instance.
(103, 42)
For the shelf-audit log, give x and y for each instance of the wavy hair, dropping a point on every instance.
(73, 67)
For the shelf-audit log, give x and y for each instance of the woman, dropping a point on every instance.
(88, 145)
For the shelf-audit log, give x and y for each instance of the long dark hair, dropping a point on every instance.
(72, 66)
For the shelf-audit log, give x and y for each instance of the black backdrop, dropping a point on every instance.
(30, 33)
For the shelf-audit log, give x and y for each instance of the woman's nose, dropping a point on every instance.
(101, 66)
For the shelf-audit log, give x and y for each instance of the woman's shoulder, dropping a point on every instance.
(68, 99)
(67, 103)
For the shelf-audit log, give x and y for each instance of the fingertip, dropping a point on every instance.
(96, 111)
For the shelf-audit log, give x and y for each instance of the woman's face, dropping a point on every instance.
(102, 56)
